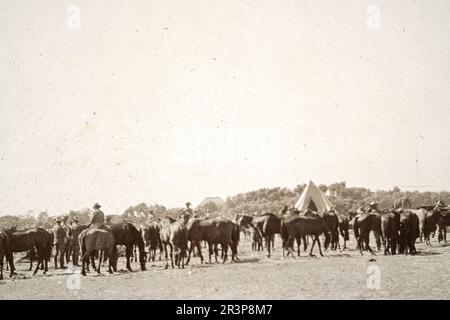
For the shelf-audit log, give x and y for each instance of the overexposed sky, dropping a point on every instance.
(123, 102)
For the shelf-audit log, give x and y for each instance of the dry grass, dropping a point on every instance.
(338, 275)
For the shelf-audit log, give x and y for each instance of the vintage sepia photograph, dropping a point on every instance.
(224, 150)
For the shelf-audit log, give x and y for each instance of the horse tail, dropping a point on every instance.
(356, 227)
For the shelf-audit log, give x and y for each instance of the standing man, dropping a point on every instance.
(97, 217)
(66, 227)
(76, 229)
(60, 243)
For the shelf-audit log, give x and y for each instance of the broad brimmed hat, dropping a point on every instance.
(97, 206)
(188, 203)
(58, 219)
(373, 203)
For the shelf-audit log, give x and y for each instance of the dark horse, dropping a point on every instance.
(268, 224)
(390, 227)
(344, 223)
(293, 227)
(96, 240)
(5, 251)
(363, 224)
(127, 234)
(26, 240)
(150, 232)
(214, 231)
(409, 232)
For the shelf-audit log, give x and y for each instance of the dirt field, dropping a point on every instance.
(338, 275)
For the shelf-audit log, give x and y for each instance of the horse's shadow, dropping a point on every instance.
(247, 260)
(339, 255)
(427, 253)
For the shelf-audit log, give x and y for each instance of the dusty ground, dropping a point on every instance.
(338, 275)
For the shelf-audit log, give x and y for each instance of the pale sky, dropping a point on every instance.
(170, 101)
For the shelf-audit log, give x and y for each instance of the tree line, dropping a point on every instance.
(257, 201)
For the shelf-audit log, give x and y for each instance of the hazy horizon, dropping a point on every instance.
(166, 102)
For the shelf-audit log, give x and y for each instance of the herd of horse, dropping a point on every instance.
(176, 240)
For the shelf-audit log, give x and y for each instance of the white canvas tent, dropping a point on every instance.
(313, 198)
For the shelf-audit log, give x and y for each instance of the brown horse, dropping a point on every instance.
(5, 252)
(344, 226)
(428, 223)
(174, 237)
(292, 227)
(332, 236)
(32, 253)
(26, 240)
(128, 235)
(93, 240)
(235, 238)
(409, 232)
(214, 231)
(363, 224)
(150, 233)
(390, 226)
(268, 225)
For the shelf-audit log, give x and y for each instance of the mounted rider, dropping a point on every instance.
(97, 217)
(188, 211)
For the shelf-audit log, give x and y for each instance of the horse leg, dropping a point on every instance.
(171, 255)
(85, 262)
(166, 255)
(190, 249)
(100, 252)
(216, 251)
(368, 245)
(268, 245)
(1, 265)
(290, 246)
(31, 253)
(224, 252)
(55, 258)
(312, 247)
(377, 240)
(129, 253)
(199, 249)
(318, 242)
(385, 245)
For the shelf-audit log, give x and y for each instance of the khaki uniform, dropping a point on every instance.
(97, 218)
(60, 242)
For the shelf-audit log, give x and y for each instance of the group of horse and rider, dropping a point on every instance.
(66, 235)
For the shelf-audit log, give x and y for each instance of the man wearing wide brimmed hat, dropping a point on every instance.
(60, 243)
(97, 217)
